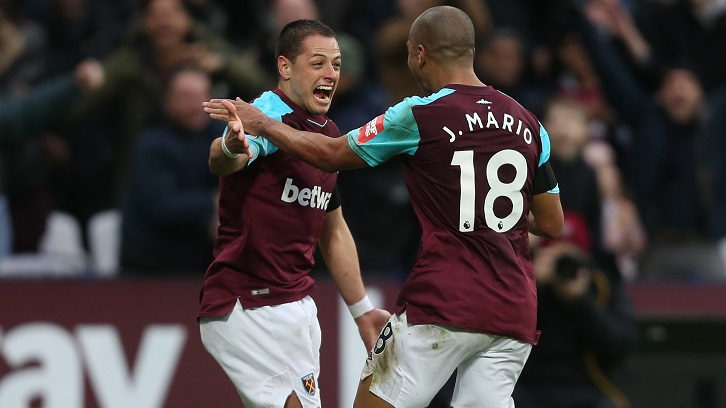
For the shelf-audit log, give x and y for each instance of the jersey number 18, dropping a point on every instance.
(512, 190)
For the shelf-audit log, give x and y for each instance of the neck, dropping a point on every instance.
(459, 76)
(284, 86)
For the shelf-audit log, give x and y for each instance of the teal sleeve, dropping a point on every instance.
(545, 155)
(271, 105)
(258, 145)
(545, 137)
(392, 133)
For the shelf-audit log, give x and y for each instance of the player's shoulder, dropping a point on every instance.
(403, 111)
(272, 105)
(416, 100)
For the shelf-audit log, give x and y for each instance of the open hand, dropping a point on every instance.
(249, 116)
(235, 138)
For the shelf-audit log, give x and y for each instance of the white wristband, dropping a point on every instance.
(227, 152)
(361, 307)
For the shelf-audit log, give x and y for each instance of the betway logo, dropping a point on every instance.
(315, 198)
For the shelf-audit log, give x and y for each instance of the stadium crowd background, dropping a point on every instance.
(632, 93)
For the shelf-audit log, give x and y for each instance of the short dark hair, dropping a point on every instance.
(289, 44)
(447, 32)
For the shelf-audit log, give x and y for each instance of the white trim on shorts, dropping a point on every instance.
(268, 351)
(410, 364)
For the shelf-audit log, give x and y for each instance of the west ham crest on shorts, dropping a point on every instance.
(309, 383)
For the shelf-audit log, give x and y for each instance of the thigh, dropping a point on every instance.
(268, 352)
(410, 363)
(487, 379)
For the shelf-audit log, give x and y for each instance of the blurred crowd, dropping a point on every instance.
(104, 145)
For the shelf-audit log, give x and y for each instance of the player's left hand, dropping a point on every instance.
(370, 325)
(250, 117)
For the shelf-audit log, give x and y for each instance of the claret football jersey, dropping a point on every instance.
(470, 155)
(271, 215)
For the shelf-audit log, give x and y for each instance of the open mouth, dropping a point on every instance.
(323, 93)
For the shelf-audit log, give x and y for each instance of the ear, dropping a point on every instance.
(283, 67)
(421, 55)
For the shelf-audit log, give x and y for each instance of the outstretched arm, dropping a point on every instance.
(50, 101)
(325, 153)
(338, 249)
(619, 84)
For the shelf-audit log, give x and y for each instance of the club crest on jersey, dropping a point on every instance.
(309, 383)
(371, 129)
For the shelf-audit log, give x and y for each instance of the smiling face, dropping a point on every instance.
(311, 78)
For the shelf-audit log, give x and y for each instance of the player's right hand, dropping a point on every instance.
(370, 325)
(217, 109)
(251, 116)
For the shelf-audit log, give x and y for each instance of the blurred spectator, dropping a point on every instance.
(538, 23)
(210, 13)
(501, 61)
(668, 156)
(539, 26)
(381, 203)
(650, 120)
(76, 30)
(47, 102)
(165, 38)
(263, 20)
(588, 330)
(694, 30)
(24, 116)
(22, 45)
(168, 214)
(390, 42)
(577, 79)
(79, 29)
(362, 20)
(89, 154)
(253, 33)
(593, 198)
(613, 17)
(389, 51)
